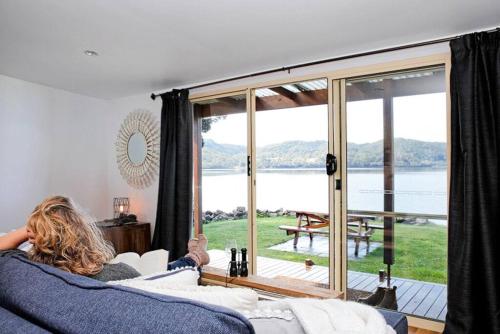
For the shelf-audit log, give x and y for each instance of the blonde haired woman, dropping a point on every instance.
(62, 237)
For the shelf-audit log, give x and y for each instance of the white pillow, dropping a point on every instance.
(149, 263)
(25, 246)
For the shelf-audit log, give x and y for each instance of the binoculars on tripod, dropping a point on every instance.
(238, 268)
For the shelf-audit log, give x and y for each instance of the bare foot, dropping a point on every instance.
(202, 241)
(200, 256)
(193, 245)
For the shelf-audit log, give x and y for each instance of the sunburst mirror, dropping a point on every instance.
(138, 149)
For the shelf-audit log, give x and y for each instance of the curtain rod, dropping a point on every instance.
(328, 60)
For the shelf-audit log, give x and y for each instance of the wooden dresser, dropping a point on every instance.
(129, 238)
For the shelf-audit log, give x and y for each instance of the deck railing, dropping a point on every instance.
(394, 214)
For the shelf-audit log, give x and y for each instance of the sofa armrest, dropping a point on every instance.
(10, 323)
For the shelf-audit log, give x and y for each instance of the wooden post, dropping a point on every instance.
(197, 171)
(388, 121)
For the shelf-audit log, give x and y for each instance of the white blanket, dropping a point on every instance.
(315, 315)
(337, 316)
(241, 299)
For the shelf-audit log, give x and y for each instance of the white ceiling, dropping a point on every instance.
(149, 45)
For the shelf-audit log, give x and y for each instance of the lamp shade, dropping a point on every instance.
(121, 206)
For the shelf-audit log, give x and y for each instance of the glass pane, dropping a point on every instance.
(397, 191)
(221, 190)
(291, 134)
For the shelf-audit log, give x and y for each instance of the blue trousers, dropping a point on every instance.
(181, 262)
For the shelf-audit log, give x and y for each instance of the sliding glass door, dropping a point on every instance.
(292, 185)
(396, 131)
(336, 183)
(220, 174)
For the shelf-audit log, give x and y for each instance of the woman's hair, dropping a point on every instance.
(65, 239)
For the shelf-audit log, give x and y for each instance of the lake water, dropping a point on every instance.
(416, 190)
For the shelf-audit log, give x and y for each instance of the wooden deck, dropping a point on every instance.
(415, 298)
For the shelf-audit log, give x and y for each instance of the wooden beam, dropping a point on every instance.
(299, 87)
(284, 92)
(364, 90)
(221, 108)
(302, 99)
(215, 276)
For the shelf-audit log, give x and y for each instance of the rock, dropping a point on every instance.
(240, 214)
(421, 221)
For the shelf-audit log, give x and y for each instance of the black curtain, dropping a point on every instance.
(474, 214)
(174, 213)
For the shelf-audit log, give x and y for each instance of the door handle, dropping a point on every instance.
(331, 164)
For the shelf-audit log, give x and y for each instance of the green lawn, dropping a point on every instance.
(420, 250)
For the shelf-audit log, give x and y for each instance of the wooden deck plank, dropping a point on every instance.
(315, 271)
(269, 269)
(442, 315)
(409, 295)
(294, 271)
(417, 299)
(429, 300)
(318, 274)
(403, 287)
(373, 286)
(288, 269)
(364, 279)
(409, 285)
(303, 275)
(351, 276)
(313, 275)
(367, 282)
(357, 281)
(438, 305)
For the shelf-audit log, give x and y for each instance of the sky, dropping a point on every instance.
(420, 117)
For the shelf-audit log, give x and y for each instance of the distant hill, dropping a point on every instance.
(223, 156)
(409, 153)
(292, 154)
(311, 154)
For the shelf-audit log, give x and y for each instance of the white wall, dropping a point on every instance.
(142, 201)
(51, 142)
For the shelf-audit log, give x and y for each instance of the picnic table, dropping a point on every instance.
(358, 227)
